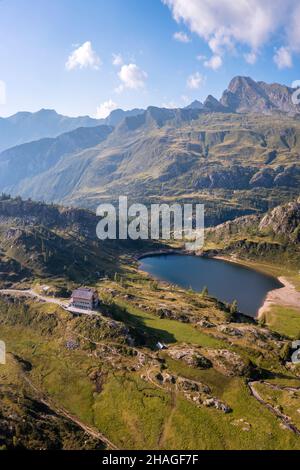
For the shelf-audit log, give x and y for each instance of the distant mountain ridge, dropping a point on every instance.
(27, 160)
(243, 95)
(249, 141)
(24, 127)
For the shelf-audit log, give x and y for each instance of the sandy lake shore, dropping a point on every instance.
(286, 296)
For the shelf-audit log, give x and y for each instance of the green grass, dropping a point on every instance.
(169, 331)
(136, 415)
(131, 412)
(284, 320)
(288, 401)
(60, 373)
(190, 427)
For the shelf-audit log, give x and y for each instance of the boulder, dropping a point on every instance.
(218, 404)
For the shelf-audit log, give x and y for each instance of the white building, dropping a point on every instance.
(84, 298)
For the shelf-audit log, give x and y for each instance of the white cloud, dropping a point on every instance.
(105, 109)
(226, 24)
(195, 81)
(283, 58)
(83, 57)
(181, 37)
(117, 60)
(132, 77)
(294, 30)
(201, 57)
(2, 92)
(170, 105)
(214, 63)
(251, 57)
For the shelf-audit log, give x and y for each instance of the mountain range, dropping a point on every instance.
(243, 149)
(25, 127)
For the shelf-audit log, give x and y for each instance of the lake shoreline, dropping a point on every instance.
(276, 283)
(285, 296)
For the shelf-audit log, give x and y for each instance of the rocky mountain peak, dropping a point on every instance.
(211, 104)
(195, 105)
(239, 83)
(246, 95)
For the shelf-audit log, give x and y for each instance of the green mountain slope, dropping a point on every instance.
(25, 161)
(202, 156)
(247, 161)
(40, 241)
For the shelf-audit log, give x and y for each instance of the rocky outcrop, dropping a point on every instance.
(263, 178)
(262, 338)
(217, 404)
(205, 324)
(196, 392)
(282, 223)
(187, 385)
(284, 220)
(228, 363)
(274, 177)
(190, 355)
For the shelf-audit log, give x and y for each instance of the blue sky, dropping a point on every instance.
(58, 54)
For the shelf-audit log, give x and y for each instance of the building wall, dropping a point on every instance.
(82, 304)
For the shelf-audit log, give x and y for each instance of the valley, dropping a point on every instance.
(238, 160)
(104, 372)
(159, 364)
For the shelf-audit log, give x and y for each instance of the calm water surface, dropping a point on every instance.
(225, 281)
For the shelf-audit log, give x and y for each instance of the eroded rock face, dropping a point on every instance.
(191, 356)
(263, 178)
(227, 362)
(284, 220)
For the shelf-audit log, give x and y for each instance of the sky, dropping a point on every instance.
(87, 57)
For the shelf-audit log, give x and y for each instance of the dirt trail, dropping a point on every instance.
(31, 294)
(168, 421)
(286, 420)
